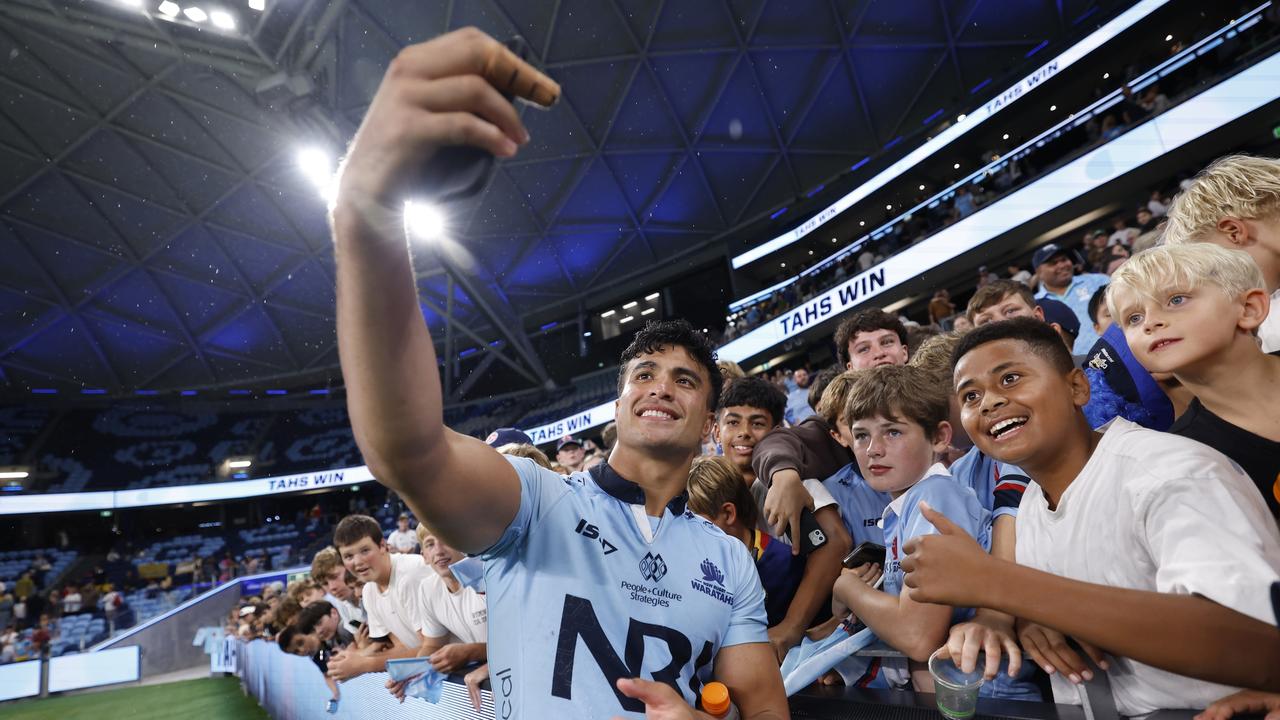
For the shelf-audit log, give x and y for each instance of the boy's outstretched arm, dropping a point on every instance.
(1212, 642)
(433, 95)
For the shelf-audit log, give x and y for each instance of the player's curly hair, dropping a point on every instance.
(656, 336)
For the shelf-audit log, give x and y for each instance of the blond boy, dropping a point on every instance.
(1235, 203)
(1194, 310)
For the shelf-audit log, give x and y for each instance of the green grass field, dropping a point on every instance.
(206, 699)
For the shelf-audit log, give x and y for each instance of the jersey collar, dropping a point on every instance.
(628, 492)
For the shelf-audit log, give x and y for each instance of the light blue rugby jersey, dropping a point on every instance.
(999, 486)
(904, 521)
(860, 506)
(578, 597)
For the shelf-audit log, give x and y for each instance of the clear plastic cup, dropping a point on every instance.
(955, 691)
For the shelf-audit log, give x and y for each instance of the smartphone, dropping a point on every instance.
(867, 552)
(356, 623)
(811, 535)
(460, 171)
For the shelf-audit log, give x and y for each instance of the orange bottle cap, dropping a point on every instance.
(715, 698)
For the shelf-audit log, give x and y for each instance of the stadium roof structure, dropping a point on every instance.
(157, 232)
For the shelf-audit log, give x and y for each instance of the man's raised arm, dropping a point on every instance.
(434, 94)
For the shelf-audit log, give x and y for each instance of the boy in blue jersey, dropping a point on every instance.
(897, 417)
(749, 409)
(861, 506)
(606, 597)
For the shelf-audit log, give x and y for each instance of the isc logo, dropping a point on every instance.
(591, 532)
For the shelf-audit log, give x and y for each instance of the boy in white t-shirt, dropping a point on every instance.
(390, 588)
(1152, 550)
(452, 619)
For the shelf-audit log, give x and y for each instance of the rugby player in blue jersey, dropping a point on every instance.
(606, 596)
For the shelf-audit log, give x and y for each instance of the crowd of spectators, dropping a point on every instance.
(1003, 175)
(1041, 492)
(970, 484)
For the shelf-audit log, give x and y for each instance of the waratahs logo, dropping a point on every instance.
(712, 583)
(711, 573)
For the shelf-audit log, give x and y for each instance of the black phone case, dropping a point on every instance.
(454, 173)
(812, 535)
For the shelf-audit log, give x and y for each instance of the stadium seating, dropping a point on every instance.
(13, 563)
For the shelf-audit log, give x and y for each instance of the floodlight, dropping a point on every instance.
(169, 8)
(222, 20)
(195, 14)
(423, 221)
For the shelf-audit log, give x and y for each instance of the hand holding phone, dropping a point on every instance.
(811, 535)
(867, 552)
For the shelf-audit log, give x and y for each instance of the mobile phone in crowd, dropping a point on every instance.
(867, 552)
(811, 535)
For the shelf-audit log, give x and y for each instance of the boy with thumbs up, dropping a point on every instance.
(1153, 550)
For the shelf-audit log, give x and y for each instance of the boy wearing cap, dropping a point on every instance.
(1235, 203)
(1062, 319)
(1055, 266)
(402, 539)
(1193, 310)
(570, 454)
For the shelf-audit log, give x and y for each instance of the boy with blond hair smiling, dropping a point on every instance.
(1235, 203)
(1194, 311)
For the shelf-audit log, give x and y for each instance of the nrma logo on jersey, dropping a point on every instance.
(712, 583)
(579, 625)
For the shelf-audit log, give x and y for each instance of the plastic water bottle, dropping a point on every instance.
(716, 703)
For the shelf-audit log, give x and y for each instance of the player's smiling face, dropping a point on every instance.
(1014, 404)
(663, 408)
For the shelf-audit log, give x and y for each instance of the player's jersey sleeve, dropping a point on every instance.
(540, 489)
(1010, 484)
(749, 621)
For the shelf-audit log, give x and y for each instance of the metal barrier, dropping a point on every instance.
(291, 688)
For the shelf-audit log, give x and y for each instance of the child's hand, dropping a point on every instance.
(450, 658)
(868, 573)
(990, 635)
(823, 631)
(1049, 648)
(782, 638)
(787, 498)
(949, 568)
(850, 584)
(1245, 701)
